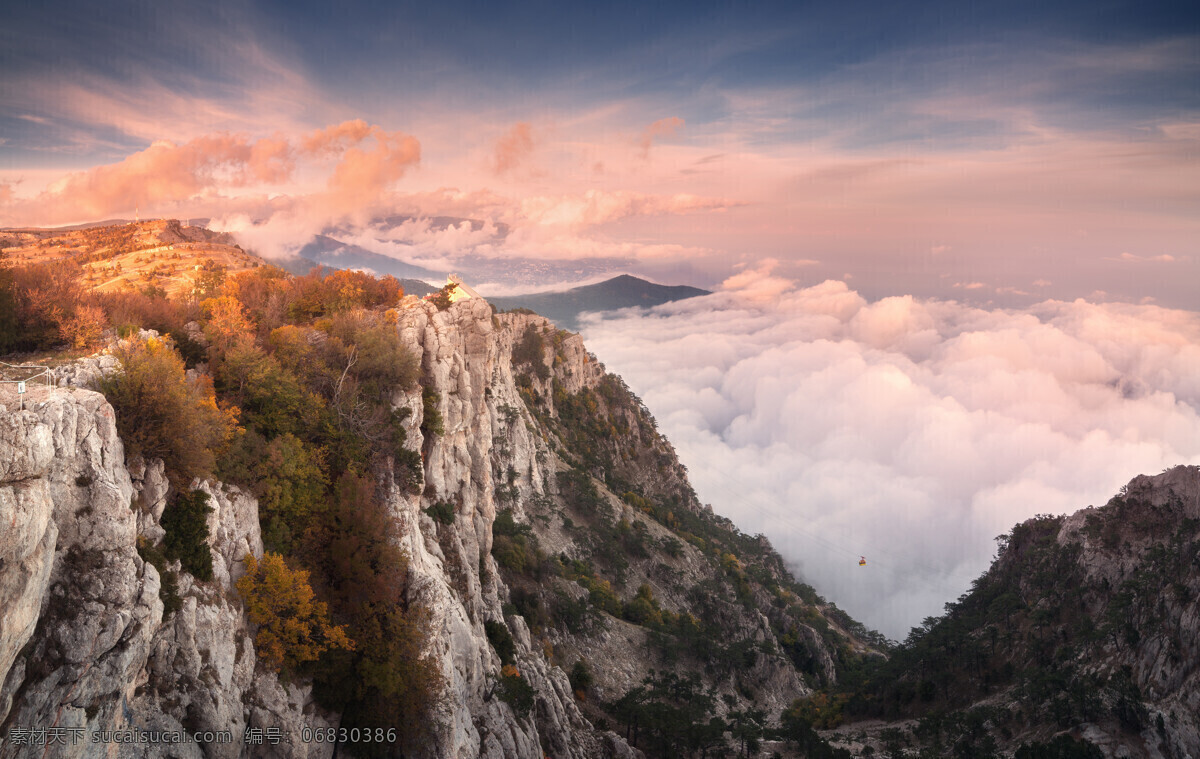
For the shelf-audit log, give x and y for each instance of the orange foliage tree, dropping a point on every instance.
(161, 413)
(294, 627)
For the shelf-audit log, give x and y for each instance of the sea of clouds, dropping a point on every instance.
(908, 431)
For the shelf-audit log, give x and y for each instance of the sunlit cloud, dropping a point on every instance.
(1131, 258)
(661, 128)
(513, 148)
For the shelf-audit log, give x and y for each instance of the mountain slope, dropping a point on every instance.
(328, 251)
(564, 308)
(162, 253)
(1087, 625)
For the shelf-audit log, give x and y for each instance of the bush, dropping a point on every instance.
(441, 512)
(162, 414)
(531, 350)
(390, 680)
(148, 311)
(168, 589)
(514, 691)
(294, 628)
(501, 640)
(1062, 747)
(431, 421)
(291, 486)
(186, 525)
(441, 299)
(41, 299)
(324, 291)
(581, 677)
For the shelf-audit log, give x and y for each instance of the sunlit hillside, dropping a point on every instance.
(162, 253)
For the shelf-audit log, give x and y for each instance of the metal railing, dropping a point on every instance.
(23, 374)
(32, 372)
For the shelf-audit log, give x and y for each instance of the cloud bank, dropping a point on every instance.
(360, 163)
(908, 431)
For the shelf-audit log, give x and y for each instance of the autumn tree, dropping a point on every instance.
(293, 627)
(389, 679)
(43, 298)
(161, 413)
(263, 293)
(8, 311)
(226, 325)
(207, 279)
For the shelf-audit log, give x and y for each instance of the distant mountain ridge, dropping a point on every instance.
(625, 291)
(329, 251)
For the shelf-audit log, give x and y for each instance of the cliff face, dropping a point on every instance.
(543, 460)
(465, 360)
(83, 641)
(83, 644)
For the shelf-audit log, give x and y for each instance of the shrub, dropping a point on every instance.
(186, 525)
(501, 640)
(162, 414)
(441, 512)
(531, 350)
(294, 628)
(147, 310)
(441, 299)
(39, 299)
(389, 680)
(431, 422)
(208, 279)
(581, 677)
(324, 291)
(291, 486)
(273, 400)
(1062, 747)
(514, 691)
(168, 589)
(82, 328)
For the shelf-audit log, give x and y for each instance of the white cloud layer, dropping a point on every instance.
(911, 432)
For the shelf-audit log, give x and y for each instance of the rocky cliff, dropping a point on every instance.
(84, 647)
(549, 512)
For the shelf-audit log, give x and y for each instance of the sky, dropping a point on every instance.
(995, 166)
(989, 151)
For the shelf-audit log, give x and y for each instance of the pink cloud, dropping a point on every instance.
(661, 128)
(596, 207)
(333, 140)
(513, 148)
(363, 174)
(757, 283)
(203, 169)
(166, 172)
(1131, 258)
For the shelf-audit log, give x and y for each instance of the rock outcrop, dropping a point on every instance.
(84, 650)
(465, 359)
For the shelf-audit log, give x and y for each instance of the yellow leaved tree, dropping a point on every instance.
(293, 627)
